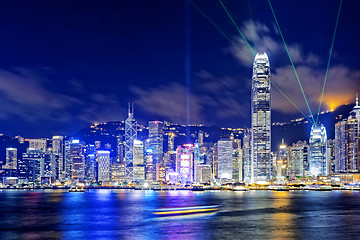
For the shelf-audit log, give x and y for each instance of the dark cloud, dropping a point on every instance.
(216, 99)
(32, 96)
(341, 82)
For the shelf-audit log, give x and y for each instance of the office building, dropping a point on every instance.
(318, 165)
(225, 162)
(185, 164)
(103, 160)
(139, 166)
(11, 159)
(261, 119)
(77, 161)
(130, 136)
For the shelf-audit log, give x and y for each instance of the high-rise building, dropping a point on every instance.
(185, 163)
(299, 159)
(67, 160)
(119, 149)
(91, 164)
(247, 157)
(117, 172)
(130, 136)
(237, 161)
(318, 151)
(347, 146)
(225, 162)
(201, 138)
(261, 119)
(57, 158)
(282, 166)
(103, 160)
(215, 161)
(11, 159)
(340, 147)
(171, 145)
(77, 161)
(206, 175)
(31, 165)
(197, 162)
(139, 167)
(149, 165)
(38, 144)
(156, 136)
(352, 144)
(331, 155)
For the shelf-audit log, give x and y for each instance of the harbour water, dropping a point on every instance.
(127, 214)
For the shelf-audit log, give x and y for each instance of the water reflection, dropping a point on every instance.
(127, 214)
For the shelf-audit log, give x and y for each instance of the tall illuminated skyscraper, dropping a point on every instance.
(247, 157)
(347, 145)
(103, 159)
(77, 161)
(139, 166)
(130, 136)
(57, 158)
(318, 151)
(11, 159)
(185, 163)
(156, 143)
(261, 119)
(225, 161)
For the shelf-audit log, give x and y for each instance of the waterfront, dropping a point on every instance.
(127, 214)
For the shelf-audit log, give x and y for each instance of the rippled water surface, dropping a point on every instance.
(127, 214)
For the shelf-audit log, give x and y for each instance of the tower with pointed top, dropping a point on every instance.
(130, 136)
(261, 119)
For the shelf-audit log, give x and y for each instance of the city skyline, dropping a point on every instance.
(86, 67)
(189, 119)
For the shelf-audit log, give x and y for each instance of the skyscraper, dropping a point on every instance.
(299, 159)
(150, 172)
(11, 159)
(261, 119)
(185, 164)
(282, 165)
(347, 145)
(77, 161)
(57, 158)
(225, 162)
(247, 157)
(171, 145)
(156, 139)
(103, 159)
(38, 144)
(130, 136)
(139, 167)
(318, 151)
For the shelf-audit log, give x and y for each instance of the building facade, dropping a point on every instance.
(318, 165)
(261, 119)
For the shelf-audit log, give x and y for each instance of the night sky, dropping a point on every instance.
(67, 64)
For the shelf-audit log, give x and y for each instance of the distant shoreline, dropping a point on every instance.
(187, 189)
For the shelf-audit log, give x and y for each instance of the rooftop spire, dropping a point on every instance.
(357, 99)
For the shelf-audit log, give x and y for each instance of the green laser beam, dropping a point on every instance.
(328, 63)
(287, 50)
(228, 38)
(290, 101)
(251, 16)
(231, 18)
(218, 28)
